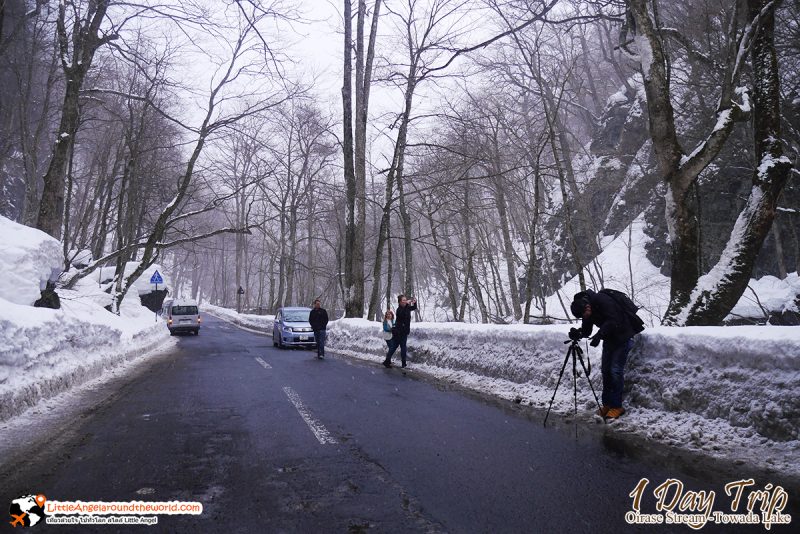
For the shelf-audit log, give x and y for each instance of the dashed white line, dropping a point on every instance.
(320, 432)
(264, 364)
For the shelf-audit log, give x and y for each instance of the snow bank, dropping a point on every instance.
(27, 257)
(731, 392)
(43, 351)
(259, 323)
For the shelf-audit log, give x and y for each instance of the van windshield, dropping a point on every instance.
(296, 317)
(184, 310)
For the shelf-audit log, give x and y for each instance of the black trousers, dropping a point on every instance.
(398, 341)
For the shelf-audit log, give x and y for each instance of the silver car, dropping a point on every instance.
(292, 329)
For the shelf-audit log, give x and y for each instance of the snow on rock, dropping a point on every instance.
(27, 258)
(730, 392)
(622, 265)
(80, 258)
(617, 98)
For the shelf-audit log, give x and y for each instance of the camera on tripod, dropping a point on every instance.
(575, 334)
(574, 353)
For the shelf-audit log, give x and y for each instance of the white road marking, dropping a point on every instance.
(264, 364)
(320, 432)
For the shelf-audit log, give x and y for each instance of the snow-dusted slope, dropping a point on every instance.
(623, 265)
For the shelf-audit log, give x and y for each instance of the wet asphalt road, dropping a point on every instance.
(209, 422)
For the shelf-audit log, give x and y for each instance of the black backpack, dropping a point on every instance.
(627, 305)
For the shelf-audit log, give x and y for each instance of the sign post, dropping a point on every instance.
(239, 294)
(156, 279)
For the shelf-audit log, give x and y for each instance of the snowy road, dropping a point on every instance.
(278, 441)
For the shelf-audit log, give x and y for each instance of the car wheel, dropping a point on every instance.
(274, 343)
(171, 333)
(197, 332)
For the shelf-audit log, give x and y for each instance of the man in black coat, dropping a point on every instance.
(616, 333)
(402, 327)
(318, 318)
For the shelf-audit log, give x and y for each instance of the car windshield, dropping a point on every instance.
(296, 317)
(184, 310)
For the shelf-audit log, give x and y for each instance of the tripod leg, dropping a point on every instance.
(589, 380)
(574, 381)
(564, 366)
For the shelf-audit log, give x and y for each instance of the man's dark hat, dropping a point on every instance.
(579, 304)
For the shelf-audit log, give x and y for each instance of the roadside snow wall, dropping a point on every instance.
(44, 352)
(260, 323)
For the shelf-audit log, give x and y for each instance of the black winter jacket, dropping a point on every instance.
(318, 319)
(609, 317)
(402, 323)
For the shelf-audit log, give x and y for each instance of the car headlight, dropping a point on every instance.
(287, 328)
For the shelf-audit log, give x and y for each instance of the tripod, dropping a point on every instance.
(576, 352)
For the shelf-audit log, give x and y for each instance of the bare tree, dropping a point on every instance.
(680, 170)
(355, 171)
(80, 35)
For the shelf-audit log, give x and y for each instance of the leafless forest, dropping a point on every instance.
(480, 153)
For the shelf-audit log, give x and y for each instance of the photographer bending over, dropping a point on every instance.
(616, 331)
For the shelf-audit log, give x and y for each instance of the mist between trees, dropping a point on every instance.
(526, 133)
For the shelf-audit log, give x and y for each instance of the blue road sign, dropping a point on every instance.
(156, 278)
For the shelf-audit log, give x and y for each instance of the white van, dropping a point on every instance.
(181, 316)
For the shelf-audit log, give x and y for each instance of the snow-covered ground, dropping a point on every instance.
(43, 351)
(623, 265)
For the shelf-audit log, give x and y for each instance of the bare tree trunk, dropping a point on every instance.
(776, 235)
(718, 291)
(534, 267)
(355, 160)
(452, 286)
(679, 171)
(383, 235)
(465, 293)
(396, 174)
(351, 242)
(85, 42)
(508, 251)
(70, 182)
(291, 261)
(389, 267)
